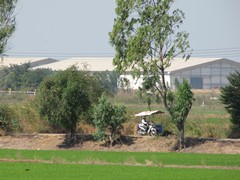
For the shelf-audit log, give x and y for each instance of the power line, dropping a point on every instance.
(25, 54)
(63, 53)
(218, 49)
(234, 51)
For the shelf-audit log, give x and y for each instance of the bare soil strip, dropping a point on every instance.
(129, 143)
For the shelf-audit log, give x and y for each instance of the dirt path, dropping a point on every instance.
(134, 144)
(129, 164)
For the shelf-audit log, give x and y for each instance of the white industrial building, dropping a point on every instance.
(202, 73)
(95, 64)
(34, 61)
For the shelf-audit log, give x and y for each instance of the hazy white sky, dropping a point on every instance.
(61, 28)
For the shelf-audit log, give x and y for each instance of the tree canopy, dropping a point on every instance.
(230, 97)
(7, 22)
(180, 104)
(22, 77)
(146, 32)
(65, 96)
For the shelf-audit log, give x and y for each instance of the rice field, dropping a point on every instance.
(26, 164)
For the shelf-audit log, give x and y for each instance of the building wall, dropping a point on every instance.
(132, 83)
(207, 76)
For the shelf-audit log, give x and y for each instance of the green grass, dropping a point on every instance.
(72, 164)
(208, 111)
(123, 157)
(212, 120)
(73, 171)
(17, 98)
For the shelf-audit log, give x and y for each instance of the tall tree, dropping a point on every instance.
(180, 104)
(7, 22)
(146, 38)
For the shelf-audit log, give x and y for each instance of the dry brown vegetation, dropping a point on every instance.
(129, 143)
(206, 126)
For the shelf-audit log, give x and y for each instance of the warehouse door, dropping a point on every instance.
(196, 82)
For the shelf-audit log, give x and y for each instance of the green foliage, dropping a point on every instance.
(234, 131)
(108, 120)
(21, 117)
(14, 98)
(147, 30)
(176, 83)
(7, 22)
(230, 97)
(181, 102)
(202, 126)
(19, 77)
(12, 77)
(109, 80)
(31, 79)
(8, 121)
(67, 95)
(212, 120)
(146, 98)
(29, 119)
(146, 38)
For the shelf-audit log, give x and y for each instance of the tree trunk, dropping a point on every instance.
(181, 139)
(73, 136)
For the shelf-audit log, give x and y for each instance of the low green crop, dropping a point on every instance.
(9, 171)
(132, 158)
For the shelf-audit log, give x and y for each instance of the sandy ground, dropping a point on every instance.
(136, 144)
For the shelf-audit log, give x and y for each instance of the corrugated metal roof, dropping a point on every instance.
(180, 64)
(43, 62)
(91, 63)
(7, 61)
(101, 63)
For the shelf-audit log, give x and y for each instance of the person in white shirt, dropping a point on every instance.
(144, 124)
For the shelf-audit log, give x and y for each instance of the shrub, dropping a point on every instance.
(108, 120)
(8, 121)
(230, 97)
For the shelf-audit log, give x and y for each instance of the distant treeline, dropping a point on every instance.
(23, 77)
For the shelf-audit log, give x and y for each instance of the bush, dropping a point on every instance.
(234, 132)
(8, 121)
(230, 97)
(108, 120)
(29, 119)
